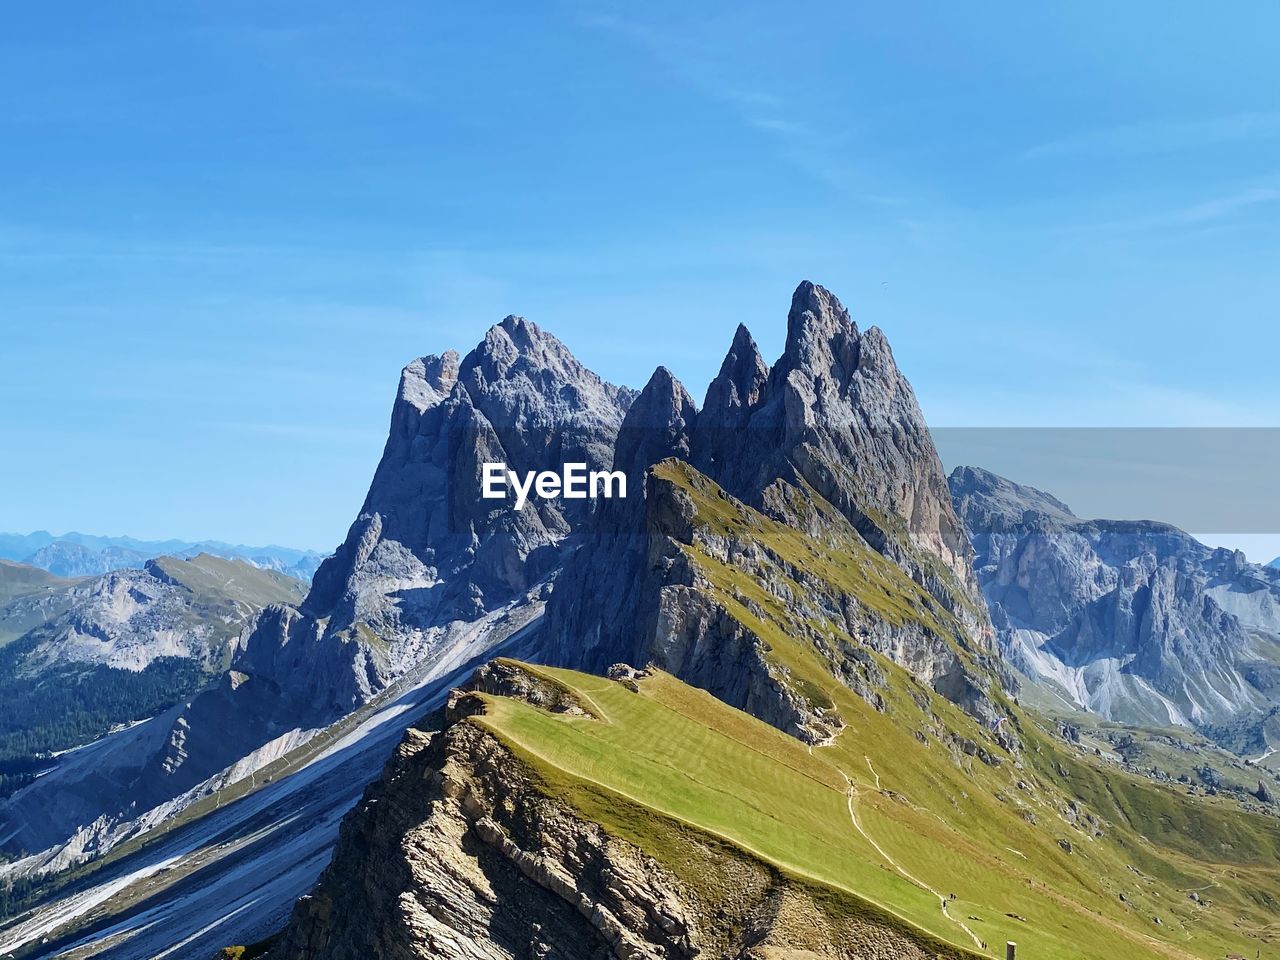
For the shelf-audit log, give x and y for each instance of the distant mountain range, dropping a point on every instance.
(1133, 620)
(86, 555)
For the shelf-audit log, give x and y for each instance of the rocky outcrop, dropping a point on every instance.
(458, 852)
(425, 548)
(1134, 620)
(837, 414)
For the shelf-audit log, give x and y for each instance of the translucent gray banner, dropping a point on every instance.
(1208, 479)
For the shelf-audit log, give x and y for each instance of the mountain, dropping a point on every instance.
(67, 559)
(117, 648)
(1133, 620)
(428, 577)
(1274, 563)
(79, 554)
(753, 708)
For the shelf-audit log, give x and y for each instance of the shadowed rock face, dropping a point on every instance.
(1134, 620)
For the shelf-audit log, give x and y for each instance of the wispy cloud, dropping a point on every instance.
(1144, 139)
(1219, 207)
(1229, 204)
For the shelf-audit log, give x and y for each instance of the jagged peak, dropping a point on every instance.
(737, 388)
(743, 342)
(821, 337)
(515, 338)
(663, 394)
(659, 424)
(519, 347)
(816, 311)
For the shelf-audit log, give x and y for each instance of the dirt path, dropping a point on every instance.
(850, 795)
(873, 771)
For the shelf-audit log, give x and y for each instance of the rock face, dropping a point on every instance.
(425, 548)
(1133, 620)
(829, 441)
(457, 853)
(837, 414)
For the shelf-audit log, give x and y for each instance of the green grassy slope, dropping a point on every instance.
(1049, 846)
(882, 821)
(215, 580)
(17, 579)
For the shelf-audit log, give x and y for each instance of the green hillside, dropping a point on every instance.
(913, 800)
(59, 688)
(890, 825)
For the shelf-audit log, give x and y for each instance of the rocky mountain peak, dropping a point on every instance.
(663, 402)
(821, 337)
(985, 500)
(426, 549)
(739, 385)
(1132, 619)
(428, 380)
(518, 350)
(659, 424)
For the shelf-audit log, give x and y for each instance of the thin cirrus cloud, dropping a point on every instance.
(1140, 139)
(1223, 206)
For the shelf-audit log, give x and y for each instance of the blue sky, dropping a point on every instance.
(226, 226)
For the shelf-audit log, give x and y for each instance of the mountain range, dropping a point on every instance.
(759, 707)
(81, 555)
(1135, 621)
